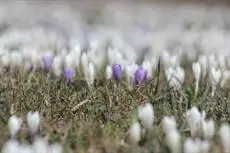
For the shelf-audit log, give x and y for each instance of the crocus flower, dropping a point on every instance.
(146, 115)
(14, 125)
(117, 72)
(69, 74)
(135, 133)
(109, 72)
(168, 124)
(173, 141)
(192, 146)
(215, 77)
(140, 75)
(47, 61)
(196, 67)
(193, 117)
(208, 128)
(11, 146)
(224, 134)
(40, 144)
(33, 120)
(55, 148)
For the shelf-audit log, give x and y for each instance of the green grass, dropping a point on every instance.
(97, 120)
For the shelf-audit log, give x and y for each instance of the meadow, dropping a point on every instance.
(147, 79)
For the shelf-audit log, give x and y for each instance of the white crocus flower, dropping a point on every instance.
(203, 60)
(148, 68)
(146, 115)
(222, 62)
(225, 77)
(135, 133)
(25, 149)
(173, 141)
(55, 148)
(175, 77)
(224, 134)
(196, 67)
(208, 128)
(14, 125)
(205, 146)
(212, 62)
(90, 74)
(57, 66)
(168, 124)
(69, 60)
(193, 117)
(84, 63)
(16, 59)
(192, 146)
(130, 69)
(215, 77)
(5, 60)
(109, 72)
(33, 120)
(11, 146)
(40, 145)
(76, 52)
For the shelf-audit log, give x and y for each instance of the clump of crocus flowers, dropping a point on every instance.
(37, 143)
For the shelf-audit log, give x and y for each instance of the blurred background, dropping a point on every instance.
(62, 22)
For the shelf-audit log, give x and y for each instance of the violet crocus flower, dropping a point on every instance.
(69, 74)
(117, 72)
(47, 61)
(140, 75)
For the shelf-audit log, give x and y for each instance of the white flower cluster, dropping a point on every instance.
(201, 130)
(38, 144)
(62, 50)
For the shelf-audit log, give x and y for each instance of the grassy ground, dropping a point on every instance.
(97, 120)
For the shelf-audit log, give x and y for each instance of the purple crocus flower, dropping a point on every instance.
(140, 75)
(117, 72)
(69, 74)
(47, 61)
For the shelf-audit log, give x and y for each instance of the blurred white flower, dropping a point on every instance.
(193, 117)
(55, 148)
(224, 134)
(11, 146)
(14, 125)
(135, 133)
(212, 62)
(205, 146)
(90, 74)
(192, 146)
(109, 72)
(33, 120)
(16, 59)
(168, 124)
(222, 61)
(130, 69)
(225, 77)
(173, 141)
(24, 148)
(146, 115)
(57, 66)
(196, 67)
(5, 60)
(175, 77)
(215, 77)
(208, 128)
(70, 60)
(40, 145)
(203, 60)
(148, 68)
(84, 64)
(76, 53)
